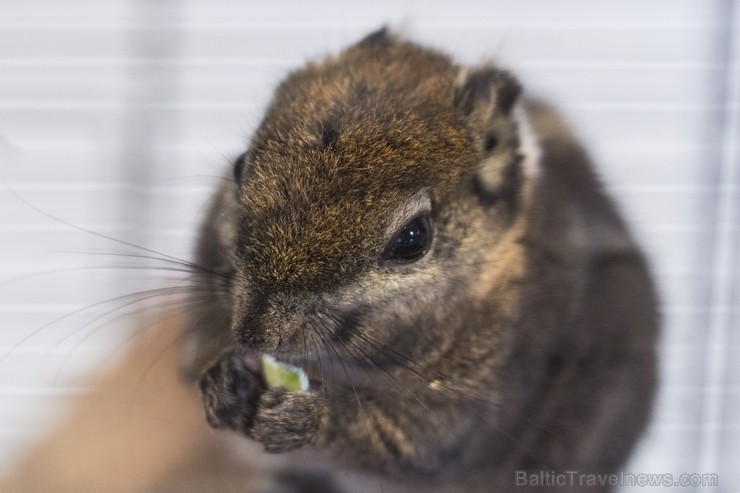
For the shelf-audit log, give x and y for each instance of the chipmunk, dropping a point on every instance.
(435, 251)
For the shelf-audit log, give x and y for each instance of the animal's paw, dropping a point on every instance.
(234, 396)
(231, 393)
(289, 420)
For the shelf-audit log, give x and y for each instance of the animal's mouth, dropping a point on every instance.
(251, 361)
(319, 370)
(277, 369)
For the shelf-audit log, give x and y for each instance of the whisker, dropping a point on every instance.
(414, 367)
(185, 301)
(148, 293)
(83, 229)
(187, 265)
(75, 269)
(391, 378)
(176, 341)
(360, 406)
(329, 345)
(386, 349)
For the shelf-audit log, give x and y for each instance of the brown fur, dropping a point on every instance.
(522, 341)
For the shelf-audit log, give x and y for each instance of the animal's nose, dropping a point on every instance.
(265, 323)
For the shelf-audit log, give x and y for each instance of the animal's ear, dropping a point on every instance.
(486, 96)
(486, 90)
(383, 37)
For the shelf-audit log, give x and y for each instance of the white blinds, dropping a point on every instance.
(119, 116)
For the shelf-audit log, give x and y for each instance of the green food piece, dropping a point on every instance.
(277, 374)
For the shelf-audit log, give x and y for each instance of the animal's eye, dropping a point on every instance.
(412, 242)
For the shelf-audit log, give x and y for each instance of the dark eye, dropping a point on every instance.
(412, 242)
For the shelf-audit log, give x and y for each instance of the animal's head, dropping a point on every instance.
(380, 205)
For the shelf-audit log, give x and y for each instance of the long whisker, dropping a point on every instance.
(142, 296)
(391, 378)
(176, 341)
(185, 301)
(386, 350)
(425, 374)
(186, 265)
(327, 343)
(134, 298)
(86, 230)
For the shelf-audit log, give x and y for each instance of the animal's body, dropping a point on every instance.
(434, 249)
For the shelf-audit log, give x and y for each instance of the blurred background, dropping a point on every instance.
(117, 118)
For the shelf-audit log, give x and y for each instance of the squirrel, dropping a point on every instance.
(435, 250)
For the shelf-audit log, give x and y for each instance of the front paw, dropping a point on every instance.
(234, 396)
(231, 393)
(289, 420)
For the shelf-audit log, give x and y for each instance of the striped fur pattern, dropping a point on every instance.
(523, 340)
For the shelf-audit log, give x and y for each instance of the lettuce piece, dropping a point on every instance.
(277, 374)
